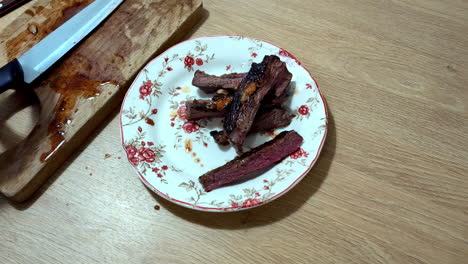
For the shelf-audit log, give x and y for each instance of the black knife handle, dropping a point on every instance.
(11, 76)
(9, 5)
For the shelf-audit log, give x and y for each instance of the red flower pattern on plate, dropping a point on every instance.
(228, 67)
(169, 69)
(146, 89)
(303, 110)
(190, 127)
(134, 160)
(189, 61)
(164, 167)
(154, 111)
(182, 112)
(155, 170)
(199, 62)
(146, 155)
(251, 202)
(284, 53)
(299, 153)
(132, 152)
(308, 86)
(254, 55)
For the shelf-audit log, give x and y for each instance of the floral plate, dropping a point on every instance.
(169, 153)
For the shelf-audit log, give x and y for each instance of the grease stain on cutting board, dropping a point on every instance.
(29, 12)
(82, 76)
(71, 87)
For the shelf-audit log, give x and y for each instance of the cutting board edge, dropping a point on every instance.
(25, 191)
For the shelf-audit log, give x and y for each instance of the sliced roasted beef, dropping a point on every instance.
(216, 107)
(261, 78)
(210, 83)
(256, 159)
(269, 119)
(274, 101)
(279, 92)
(266, 120)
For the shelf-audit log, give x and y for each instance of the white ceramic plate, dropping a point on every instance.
(170, 153)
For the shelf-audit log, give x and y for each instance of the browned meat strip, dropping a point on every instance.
(279, 92)
(210, 83)
(221, 137)
(261, 78)
(269, 119)
(266, 119)
(217, 107)
(256, 159)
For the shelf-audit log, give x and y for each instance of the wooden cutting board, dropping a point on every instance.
(78, 93)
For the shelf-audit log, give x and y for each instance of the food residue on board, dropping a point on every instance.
(188, 145)
(119, 157)
(157, 207)
(107, 156)
(33, 28)
(197, 160)
(194, 154)
(90, 174)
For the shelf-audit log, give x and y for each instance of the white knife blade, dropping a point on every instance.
(50, 49)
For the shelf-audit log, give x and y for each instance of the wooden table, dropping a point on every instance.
(391, 185)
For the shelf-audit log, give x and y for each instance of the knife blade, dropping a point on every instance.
(39, 58)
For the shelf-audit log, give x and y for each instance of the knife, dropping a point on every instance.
(7, 6)
(38, 59)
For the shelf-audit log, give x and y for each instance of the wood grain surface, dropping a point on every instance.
(391, 185)
(83, 88)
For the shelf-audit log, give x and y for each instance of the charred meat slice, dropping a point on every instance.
(271, 101)
(266, 119)
(217, 107)
(269, 119)
(279, 92)
(246, 101)
(210, 83)
(256, 159)
(221, 137)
